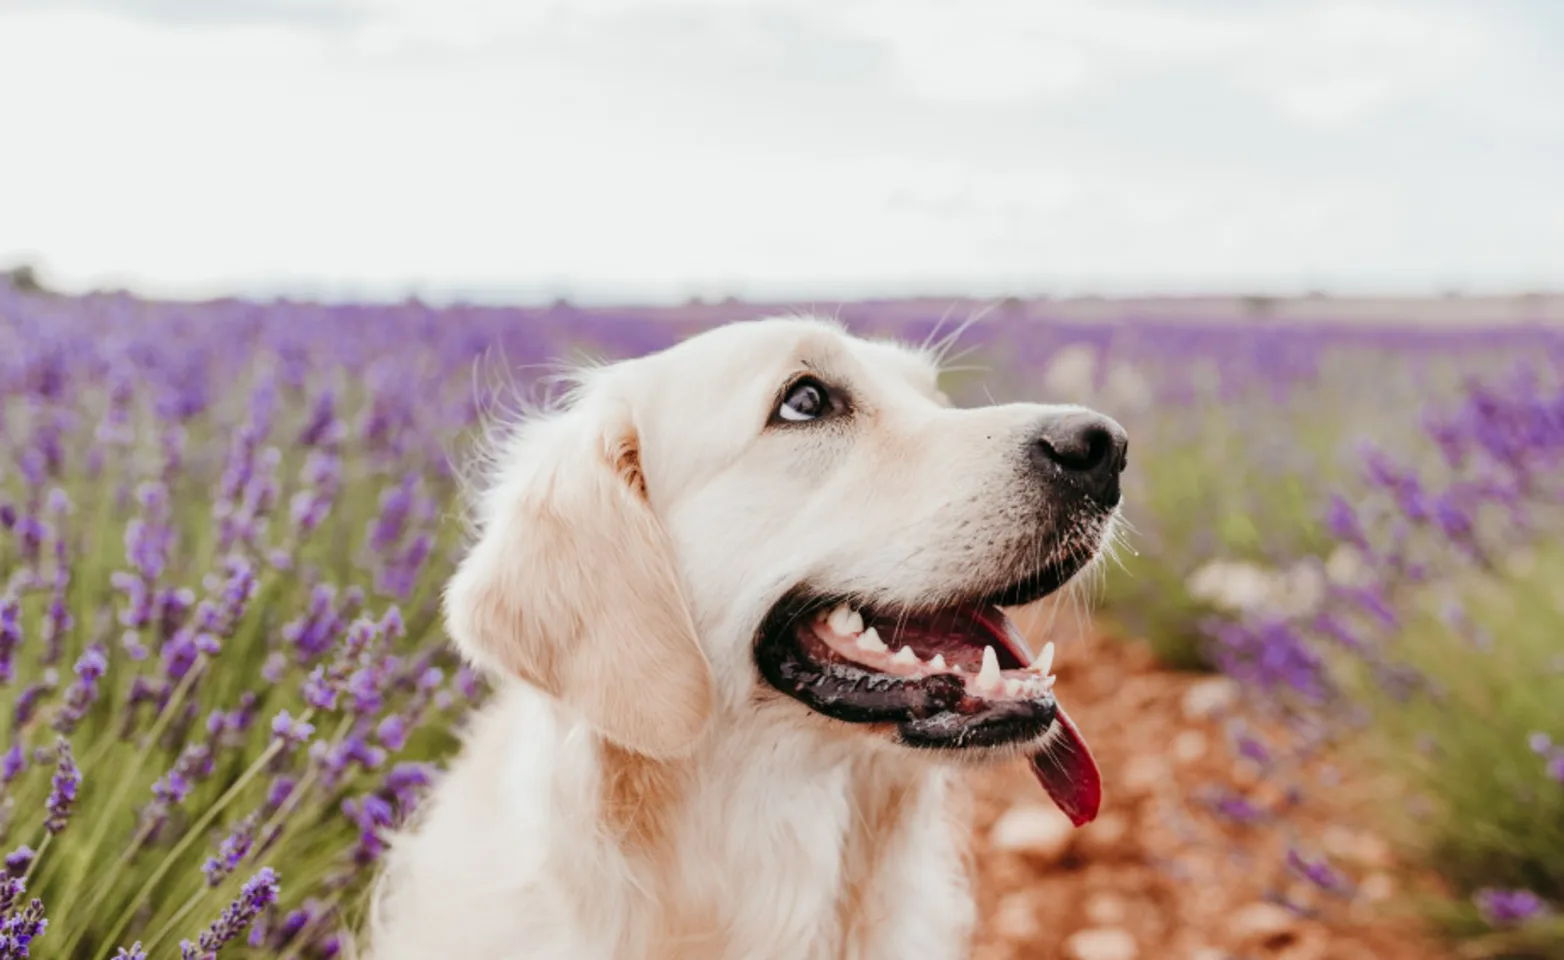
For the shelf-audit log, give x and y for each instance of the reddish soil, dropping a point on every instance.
(1160, 874)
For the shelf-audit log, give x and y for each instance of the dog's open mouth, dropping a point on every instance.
(954, 677)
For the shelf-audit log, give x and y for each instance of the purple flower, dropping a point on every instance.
(62, 795)
(27, 701)
(12, 889)
(334, 760)
(84, 691)
(1540, 743)
(385, 531)
(325, 683)
(293, 732)
(20, 929)
(13, 763)
(1234, 807)
(134, 953)
(171, 789)
(392, 732)
(313, 632)
(1509, 908)
(372, 815)
(148, 537)
(232, 851)
(10, 635)
(323, 428)
(275, 666)
(18, 860)
(1318, 872)
(258, 893)
(295, 923)
(278, 793)
(406, 781)
(57, 623)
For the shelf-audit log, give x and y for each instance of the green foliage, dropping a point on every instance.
(104, 880)
(1481, 810)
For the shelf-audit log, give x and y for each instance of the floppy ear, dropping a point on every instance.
(572, 584)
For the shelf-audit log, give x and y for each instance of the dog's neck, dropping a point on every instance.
(751, 814)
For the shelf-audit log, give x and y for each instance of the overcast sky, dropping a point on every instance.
(841, 147)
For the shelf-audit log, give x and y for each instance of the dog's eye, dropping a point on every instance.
(806, 400)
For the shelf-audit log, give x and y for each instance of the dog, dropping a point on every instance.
(740, 601)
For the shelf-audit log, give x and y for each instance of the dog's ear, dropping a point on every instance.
(572, 585)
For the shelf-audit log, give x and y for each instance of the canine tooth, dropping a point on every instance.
(988, 677)
(938, 661)
(905, 657)
(870, 641)
(1044, 664)
(845, 621)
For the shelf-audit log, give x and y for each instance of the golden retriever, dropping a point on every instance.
(741, 603)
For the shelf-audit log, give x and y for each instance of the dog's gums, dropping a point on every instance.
(955, 678)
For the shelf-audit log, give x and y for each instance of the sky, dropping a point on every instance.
(658, 149)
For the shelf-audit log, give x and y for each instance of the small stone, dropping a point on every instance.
(1355, 846)
(1015, 918)
(1261, 923)
(1189, 746)
(1143, 774)
(1034, 830)
(1209, 697)
(1105, 909)
(1377, 887)
(1102, 943)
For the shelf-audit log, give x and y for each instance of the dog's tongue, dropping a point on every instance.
(1067, 771)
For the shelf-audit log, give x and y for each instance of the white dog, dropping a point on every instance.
(739, 599)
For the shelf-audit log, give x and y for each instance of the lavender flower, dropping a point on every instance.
(291, 731)
(234, 848)
(20, 929)
(1319, 873)
(12, 889)
(258, 893)
(18, 860)
(84, 691)
(10, 635)
(13, 763)
(134, 953)
(1509, 908)
(66, 781)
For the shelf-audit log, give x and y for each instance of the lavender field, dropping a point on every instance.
(224, 528)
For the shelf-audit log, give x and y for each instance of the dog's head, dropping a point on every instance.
(777, 516)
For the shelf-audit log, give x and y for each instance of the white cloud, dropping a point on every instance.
(468, 143)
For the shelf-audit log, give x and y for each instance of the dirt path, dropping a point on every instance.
(1162, 874)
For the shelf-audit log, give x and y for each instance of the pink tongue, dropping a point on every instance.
(1069, 774)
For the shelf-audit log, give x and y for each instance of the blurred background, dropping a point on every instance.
(267, 265)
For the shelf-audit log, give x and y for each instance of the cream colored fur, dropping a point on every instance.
(633, 791)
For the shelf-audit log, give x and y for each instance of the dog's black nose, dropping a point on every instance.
(1087, 448)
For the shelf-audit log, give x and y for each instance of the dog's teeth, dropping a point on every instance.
(938, 661)
(844, 621)
(904, 657)
(870, 642)
(988, 678)
(1012, 688)
(1044, 664)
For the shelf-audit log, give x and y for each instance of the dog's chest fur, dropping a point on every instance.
(760, 849)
